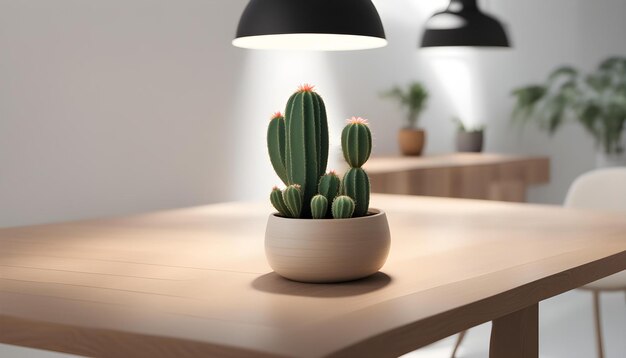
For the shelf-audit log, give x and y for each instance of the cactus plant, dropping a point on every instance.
(343, 207)
(356, 142)
(319, 206)
(298, 149)
(306, 129)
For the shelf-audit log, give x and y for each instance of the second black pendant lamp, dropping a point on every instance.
(331, 25)
(463, 24)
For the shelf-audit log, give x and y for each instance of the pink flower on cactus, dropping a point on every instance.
(306, 88)
(276, 115)
(275, 187)
(332, 172)
(357, 120)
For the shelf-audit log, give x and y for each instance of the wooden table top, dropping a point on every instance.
(377, 165)
(194, 282)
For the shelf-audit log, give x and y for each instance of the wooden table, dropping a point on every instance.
(459, 175)
(194, 282)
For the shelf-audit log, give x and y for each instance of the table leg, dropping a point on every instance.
(516, 335)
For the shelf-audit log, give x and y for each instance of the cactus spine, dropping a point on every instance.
(343, 207)
(306, 136)
(319, 206)
(293, 200)
(356, 142)
(298, 149)
(276, 145)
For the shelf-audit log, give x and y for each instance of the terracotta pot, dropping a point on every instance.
(470, 141)
(411, 141)
(327, 250)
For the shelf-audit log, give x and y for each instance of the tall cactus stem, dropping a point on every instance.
(306, 142)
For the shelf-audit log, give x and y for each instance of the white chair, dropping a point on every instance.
(603, 189)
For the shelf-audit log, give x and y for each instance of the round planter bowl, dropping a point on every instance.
(327, 250)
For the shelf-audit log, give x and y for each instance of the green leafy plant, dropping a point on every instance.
(413, 97)
(462, 127)
(596, 100)
(298, 149)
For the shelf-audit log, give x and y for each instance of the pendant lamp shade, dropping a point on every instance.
(325, 25)
(463, 24)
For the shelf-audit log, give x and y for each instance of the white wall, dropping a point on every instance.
(113, 107)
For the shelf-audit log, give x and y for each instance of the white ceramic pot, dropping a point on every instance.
(327, 250)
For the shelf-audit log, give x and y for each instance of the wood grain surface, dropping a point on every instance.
(195, 282)
(459, 175)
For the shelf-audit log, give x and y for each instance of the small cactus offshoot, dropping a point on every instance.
(298, 147)
(343, 207)
(329, 185)
(276, 198)
(293, 200)
(319, 206)
(356, 184)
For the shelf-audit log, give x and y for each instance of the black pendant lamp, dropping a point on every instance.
(463, 24)
(325, 25)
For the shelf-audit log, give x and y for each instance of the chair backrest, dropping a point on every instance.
(603, 189)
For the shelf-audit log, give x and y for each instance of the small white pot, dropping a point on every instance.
(327, 250)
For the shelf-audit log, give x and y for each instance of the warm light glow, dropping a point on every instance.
(266, 81)
(457, 72)
(313, 42)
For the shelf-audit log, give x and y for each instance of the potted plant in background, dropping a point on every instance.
(414, 97)
(469, 139)
(596, 100)
(324, 230)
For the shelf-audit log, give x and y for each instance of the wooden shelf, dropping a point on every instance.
(459, 175)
